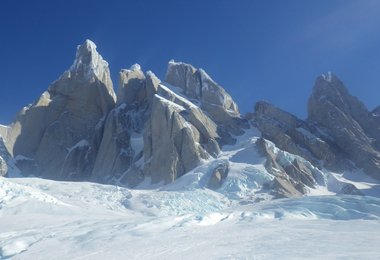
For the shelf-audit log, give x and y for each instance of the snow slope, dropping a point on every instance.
(43, 219)
(247, 178)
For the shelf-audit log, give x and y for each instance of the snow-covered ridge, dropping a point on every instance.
(172, 104)
(172, 91)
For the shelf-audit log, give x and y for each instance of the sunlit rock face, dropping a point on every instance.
(7, 163)
(197, 85)
(155, 131)
(339, 133)
(298, 137)
(57, 131)
(3, 158)
(354, 129)
(80, 130)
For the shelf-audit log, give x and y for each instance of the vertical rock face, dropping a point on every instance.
(218, 174)
(162, 131)
(3, 167)
(172, 143)
(4, 156)
(80, 130)
(292, 173)
(296, 136)
(7, 166)
(187, 126)
(57, 130)
(74, 131)
(355, 130)
(4, 133)
(197, 84)
(339, 129)
(153, 132)
(122, 142)
(131, 86)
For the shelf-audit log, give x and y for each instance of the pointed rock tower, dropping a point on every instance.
(55, 137)
(355, 130)
(162, 131)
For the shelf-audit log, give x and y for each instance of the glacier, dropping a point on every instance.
(177, 172)
(46, 219)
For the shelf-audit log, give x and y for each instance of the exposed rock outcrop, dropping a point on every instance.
(153, 132)
(80, 130)
(198, 86)
(339, 129)
(171, 144)
(3, 158)
(218, 174)
(4, 131)
(7, 163)
(353, 128)
(122, 142)
(350, 189)
(3, 167)
(293, 174)
(296, 136)
(131, 86)
(179, 130)
(4, 136)
(53, 129)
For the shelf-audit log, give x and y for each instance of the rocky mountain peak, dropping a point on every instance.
(197, 85)
(131, 85)
(339, 129)
(184, 76)
(329, 76)
(163, 130)
(330, 87)
(349, 122)
(376, 111)
(89, 63)
(88, 69)
(57, 132)
(330, 92)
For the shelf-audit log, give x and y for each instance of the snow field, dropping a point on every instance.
(43, 219)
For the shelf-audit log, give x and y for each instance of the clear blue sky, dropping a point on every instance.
(257, 50)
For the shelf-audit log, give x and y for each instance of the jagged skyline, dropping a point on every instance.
(138, 146)
(253, 55)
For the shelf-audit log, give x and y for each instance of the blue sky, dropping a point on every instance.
(257, 50)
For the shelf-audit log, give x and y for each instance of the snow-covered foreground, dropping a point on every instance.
(42, 219)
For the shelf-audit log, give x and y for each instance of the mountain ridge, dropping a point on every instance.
(80, 129)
